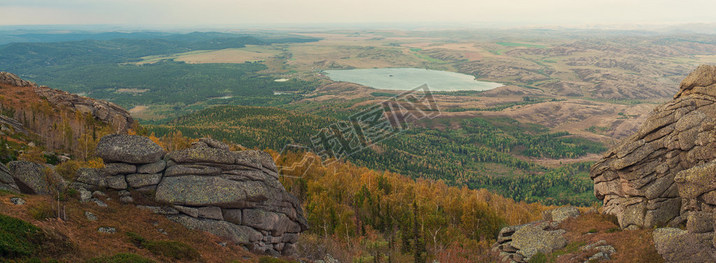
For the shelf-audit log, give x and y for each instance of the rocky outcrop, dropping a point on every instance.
(665, 170)
(11, 126)
(235, 195)
(104, 111)
(665, 174)
(520, 243)
(13, 80)
(603, 251)
(55, 118)
(560, 214)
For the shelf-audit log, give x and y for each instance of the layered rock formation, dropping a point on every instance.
(664, 171)
(235, 195)
(665, 174)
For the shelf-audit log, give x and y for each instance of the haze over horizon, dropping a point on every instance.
(517, 13)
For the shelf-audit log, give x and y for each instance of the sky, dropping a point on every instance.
(182, 13)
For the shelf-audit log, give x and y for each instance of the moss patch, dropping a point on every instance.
(18, 238)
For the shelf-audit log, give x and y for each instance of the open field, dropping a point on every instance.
(250, 53)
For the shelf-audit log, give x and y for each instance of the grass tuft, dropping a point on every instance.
(538, 258)
(42, 211)
(170, 249)
(121, 258)
(173, 249)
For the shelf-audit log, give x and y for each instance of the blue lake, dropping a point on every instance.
(410, 78)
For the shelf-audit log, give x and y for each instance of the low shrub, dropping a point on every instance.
(170, 249)
(121, 258)
(42, 211)
(538, 258)
(173, 249)
(614, 229)
(136, 239)
(68, 169)
(69, 193)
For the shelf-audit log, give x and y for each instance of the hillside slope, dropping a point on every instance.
(58, 120)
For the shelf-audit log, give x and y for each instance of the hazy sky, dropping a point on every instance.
(241, 12)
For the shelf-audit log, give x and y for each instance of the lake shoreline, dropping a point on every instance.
(410, 78)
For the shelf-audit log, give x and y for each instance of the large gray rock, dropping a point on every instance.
(191, 170)
(700, 222)
(232, 215)
(117, 182)
(192, 190)
(152, 168)
(7, 183)
(270, 221)
(128, 149)
(203, 155)
(239, 234)
(91, 177)
(33, 178)
(190, 211)
(560, 214)
(676, 245)
(536, 237)
(118, 168)
(214, 143)
(141, 180)
(210, 212)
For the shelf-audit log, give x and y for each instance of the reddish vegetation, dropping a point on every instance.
(89, 243)
(631, 245)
